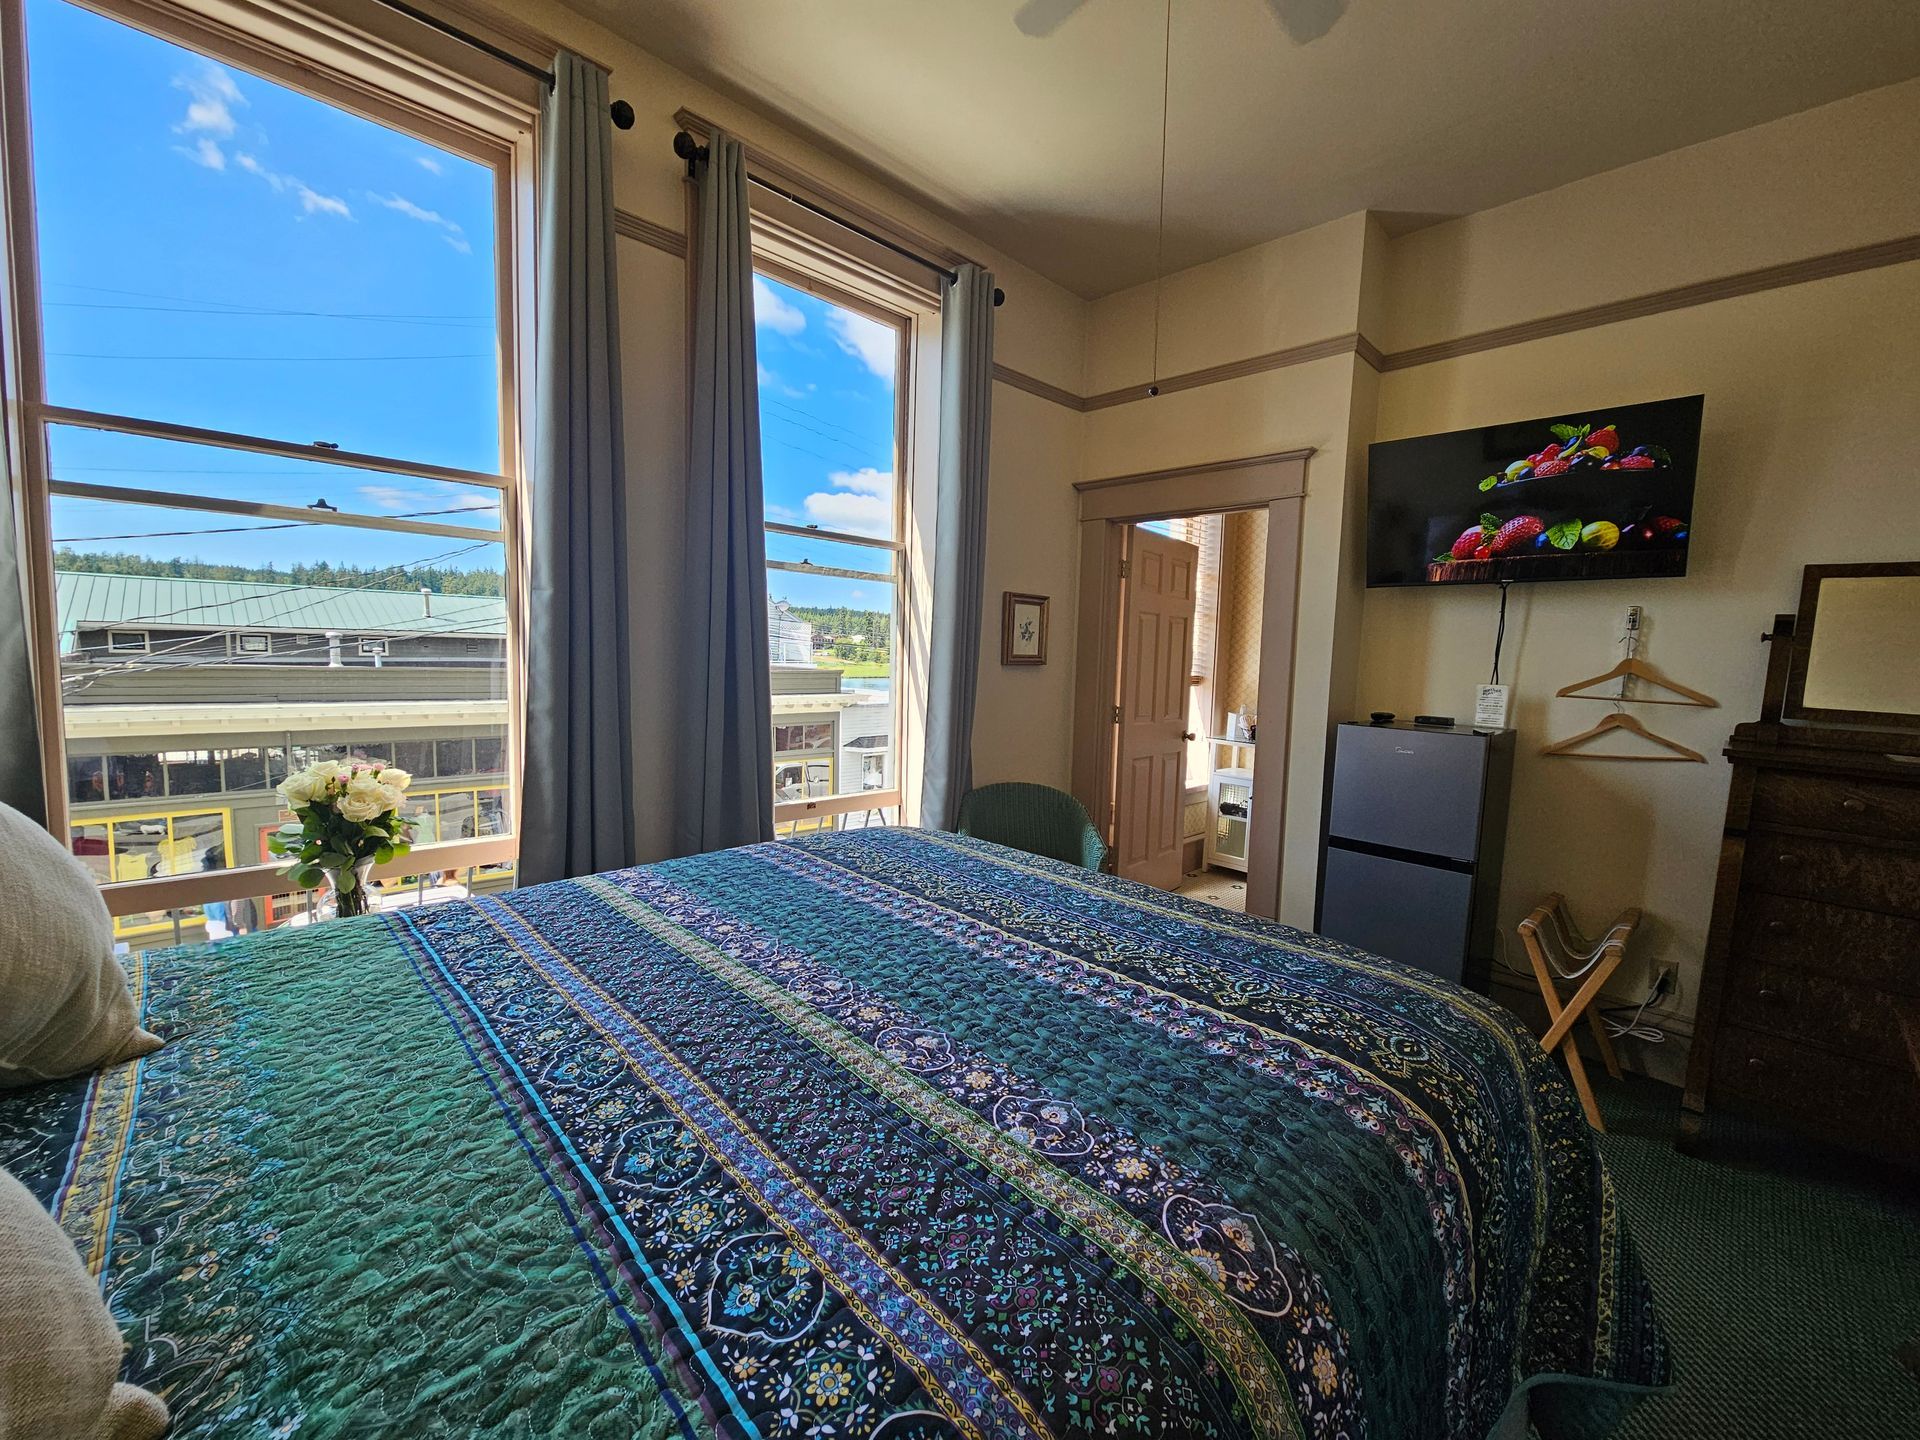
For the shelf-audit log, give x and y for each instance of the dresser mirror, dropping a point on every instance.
(1856, 655)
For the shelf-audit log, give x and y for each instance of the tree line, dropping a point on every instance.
(440, 579)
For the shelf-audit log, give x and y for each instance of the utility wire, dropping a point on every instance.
(273, 525)
(273, 359)
(238, 307)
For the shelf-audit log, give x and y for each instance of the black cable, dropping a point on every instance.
(1500, 635)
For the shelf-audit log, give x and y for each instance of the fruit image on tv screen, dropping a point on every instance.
(1595, 495)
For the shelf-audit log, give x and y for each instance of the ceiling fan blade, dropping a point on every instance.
(1040, 18)
(1305, 21)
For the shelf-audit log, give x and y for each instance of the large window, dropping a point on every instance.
(272, 456)
(831, 448)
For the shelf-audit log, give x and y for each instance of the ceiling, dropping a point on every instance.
(1036, 124)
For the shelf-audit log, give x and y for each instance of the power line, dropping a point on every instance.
(802, 410)
(276, 359)
(428, 321)
(859, 457)
(277, 525)
(238, 307)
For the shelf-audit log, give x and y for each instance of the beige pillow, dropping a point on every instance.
(59, 1348)
(64, 1003)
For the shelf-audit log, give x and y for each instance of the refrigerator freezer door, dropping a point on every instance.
(1408, 912)
(1408, 791)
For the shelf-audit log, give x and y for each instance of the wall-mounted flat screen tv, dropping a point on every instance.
(1599, 494)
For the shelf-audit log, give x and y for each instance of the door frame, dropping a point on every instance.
(1108, 507)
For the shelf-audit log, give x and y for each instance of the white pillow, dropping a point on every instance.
(64, 1003)
(59, 1348)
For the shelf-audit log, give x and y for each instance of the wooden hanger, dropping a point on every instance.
(1619, 720)
(1639, 669)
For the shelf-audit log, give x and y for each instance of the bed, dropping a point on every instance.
(881, 1135)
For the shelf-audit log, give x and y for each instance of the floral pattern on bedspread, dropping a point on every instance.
(877, 1135)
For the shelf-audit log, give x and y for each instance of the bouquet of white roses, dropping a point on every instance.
(347, 815)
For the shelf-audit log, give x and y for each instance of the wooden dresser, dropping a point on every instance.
(1812, 969)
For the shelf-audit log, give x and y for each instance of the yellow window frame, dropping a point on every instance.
(121, 929)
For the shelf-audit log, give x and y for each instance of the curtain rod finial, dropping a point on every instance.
(622, 114)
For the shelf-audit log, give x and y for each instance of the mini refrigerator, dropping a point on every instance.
(1416, 823)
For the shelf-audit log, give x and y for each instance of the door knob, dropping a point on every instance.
(1188, 735)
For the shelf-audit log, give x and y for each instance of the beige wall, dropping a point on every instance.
(1806, 456)
(1032, 545)
(1291, 291)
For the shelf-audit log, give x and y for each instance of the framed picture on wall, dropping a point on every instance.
(1023, 629)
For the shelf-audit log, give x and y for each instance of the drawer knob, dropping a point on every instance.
(1755, 1063)
(1787, 857)
(1853, 803)
(1769, 995)
(1778, 927)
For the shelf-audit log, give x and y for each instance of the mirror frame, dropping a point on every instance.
(1796, 707)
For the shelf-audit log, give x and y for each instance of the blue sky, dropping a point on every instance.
(219, 250)
(826, 438)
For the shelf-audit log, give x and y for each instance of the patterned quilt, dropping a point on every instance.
(884, 1135)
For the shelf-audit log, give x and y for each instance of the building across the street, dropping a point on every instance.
(188, 700)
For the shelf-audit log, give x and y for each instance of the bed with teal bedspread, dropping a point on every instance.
(883, 1134)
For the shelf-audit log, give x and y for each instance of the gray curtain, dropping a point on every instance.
(724, 778)
(577, 807)
(959, 542)
(19, 725)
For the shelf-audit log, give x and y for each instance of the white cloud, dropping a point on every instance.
(398, 499)
(429, 164)
(861, 503)
(770, 381)
(451, 231)
(312, 202)
(874, 345)
(772, 310)
(205, 151)
(211, 96)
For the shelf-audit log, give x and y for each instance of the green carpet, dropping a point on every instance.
(1787, 1280)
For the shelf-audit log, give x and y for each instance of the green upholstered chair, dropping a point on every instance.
(1035, 818)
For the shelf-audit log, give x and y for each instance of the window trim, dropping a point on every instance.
(770, 260)
(355, 70)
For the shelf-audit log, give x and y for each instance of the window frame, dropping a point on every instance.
(355, 70)
(891, 306)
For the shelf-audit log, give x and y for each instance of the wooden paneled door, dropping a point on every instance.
(1156, 668)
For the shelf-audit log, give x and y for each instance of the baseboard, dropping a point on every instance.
(1665, 1062)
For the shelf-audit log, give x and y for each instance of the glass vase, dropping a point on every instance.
(352, 892)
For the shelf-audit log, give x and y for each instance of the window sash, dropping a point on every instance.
(363, 75)
(822, 285)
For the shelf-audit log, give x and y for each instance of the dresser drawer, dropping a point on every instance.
(1869, 876)
(1861, 946)
(1873, 1107)
(1876, 808)
(1801, 1005)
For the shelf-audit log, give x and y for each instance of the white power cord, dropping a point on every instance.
(1618, 1025)
(1619, 1028)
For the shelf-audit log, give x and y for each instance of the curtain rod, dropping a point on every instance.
(620, 111)
(691, 151)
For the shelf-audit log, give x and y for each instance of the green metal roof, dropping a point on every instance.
(88, 601)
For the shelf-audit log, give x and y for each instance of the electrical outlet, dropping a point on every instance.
(1665, 982)
(1631, 626)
